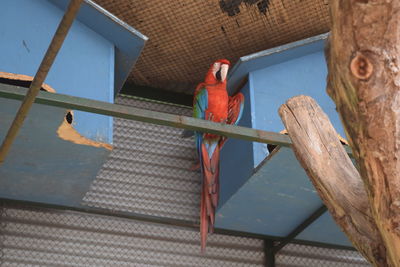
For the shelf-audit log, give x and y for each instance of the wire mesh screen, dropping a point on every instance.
(185, 36)
(308, 256)
(46, 237)
(148, 171)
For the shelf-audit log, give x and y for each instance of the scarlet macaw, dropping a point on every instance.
(211, 102)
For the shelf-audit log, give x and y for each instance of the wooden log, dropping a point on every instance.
(318, 149)
(364, 81)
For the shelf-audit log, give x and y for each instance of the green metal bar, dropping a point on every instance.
(132, 113)
(40, 76)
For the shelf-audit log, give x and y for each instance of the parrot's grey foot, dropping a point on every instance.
(195, 167)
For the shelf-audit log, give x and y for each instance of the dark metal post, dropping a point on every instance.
(315, 215)
(40, 76)
(269, 253)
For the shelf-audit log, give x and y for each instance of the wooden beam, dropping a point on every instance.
(363, 81)
(160, 118)
(337, 181)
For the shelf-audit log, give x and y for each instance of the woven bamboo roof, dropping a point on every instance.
(186, 36)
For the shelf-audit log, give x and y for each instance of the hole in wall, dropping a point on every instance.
(69, 117)
(66, 131)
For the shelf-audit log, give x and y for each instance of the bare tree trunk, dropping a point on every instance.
(319, 151)
(364, 81)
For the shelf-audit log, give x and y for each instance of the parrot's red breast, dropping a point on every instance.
(211, 102)
(218, 98)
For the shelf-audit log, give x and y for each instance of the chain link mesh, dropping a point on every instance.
(294, 255)
(46, 237)
(148, 171)
(32, 236)
(185, 36)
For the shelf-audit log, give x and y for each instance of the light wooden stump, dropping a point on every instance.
(320, 152)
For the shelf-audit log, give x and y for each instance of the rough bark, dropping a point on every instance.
(364, 81)
(318, 149)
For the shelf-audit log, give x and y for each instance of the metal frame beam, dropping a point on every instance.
(314, 216)
(160, 220)
(269, 253)
(160, 118)
(132, 216)
(132, 113)
(41, 74)
(272, 247)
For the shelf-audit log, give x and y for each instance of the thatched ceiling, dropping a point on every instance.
(187, 35)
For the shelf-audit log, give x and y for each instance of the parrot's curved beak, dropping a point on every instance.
(220, 71)
(221, 74)
(224, 72)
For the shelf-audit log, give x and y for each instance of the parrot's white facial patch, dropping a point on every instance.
(224, 71)
(216, 67)
(220, 71)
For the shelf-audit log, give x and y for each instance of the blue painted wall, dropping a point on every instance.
(273, 201)
(274, 197)
(325, 230)
(128, 41)
(84, 66)
(40, 166)
(267, 89)
(238, 154)
(273, 85)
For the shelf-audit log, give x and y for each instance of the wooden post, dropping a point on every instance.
(364, 81)
(363, 56)
(318, 149)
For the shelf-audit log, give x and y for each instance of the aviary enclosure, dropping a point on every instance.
(79, 148)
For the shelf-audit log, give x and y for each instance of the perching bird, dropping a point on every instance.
(211, 102)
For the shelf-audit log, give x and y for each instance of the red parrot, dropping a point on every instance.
(211, 102)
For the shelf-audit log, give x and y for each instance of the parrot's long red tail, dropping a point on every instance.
(210, 189)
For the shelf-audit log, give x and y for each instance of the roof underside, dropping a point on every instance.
(186, 36)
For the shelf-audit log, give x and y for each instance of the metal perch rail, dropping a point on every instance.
(160, 118)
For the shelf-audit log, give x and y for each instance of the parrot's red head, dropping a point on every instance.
(217, 72)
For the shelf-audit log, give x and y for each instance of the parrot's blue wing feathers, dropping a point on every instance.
(199, 107)
(200, 104)
(199, 110)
